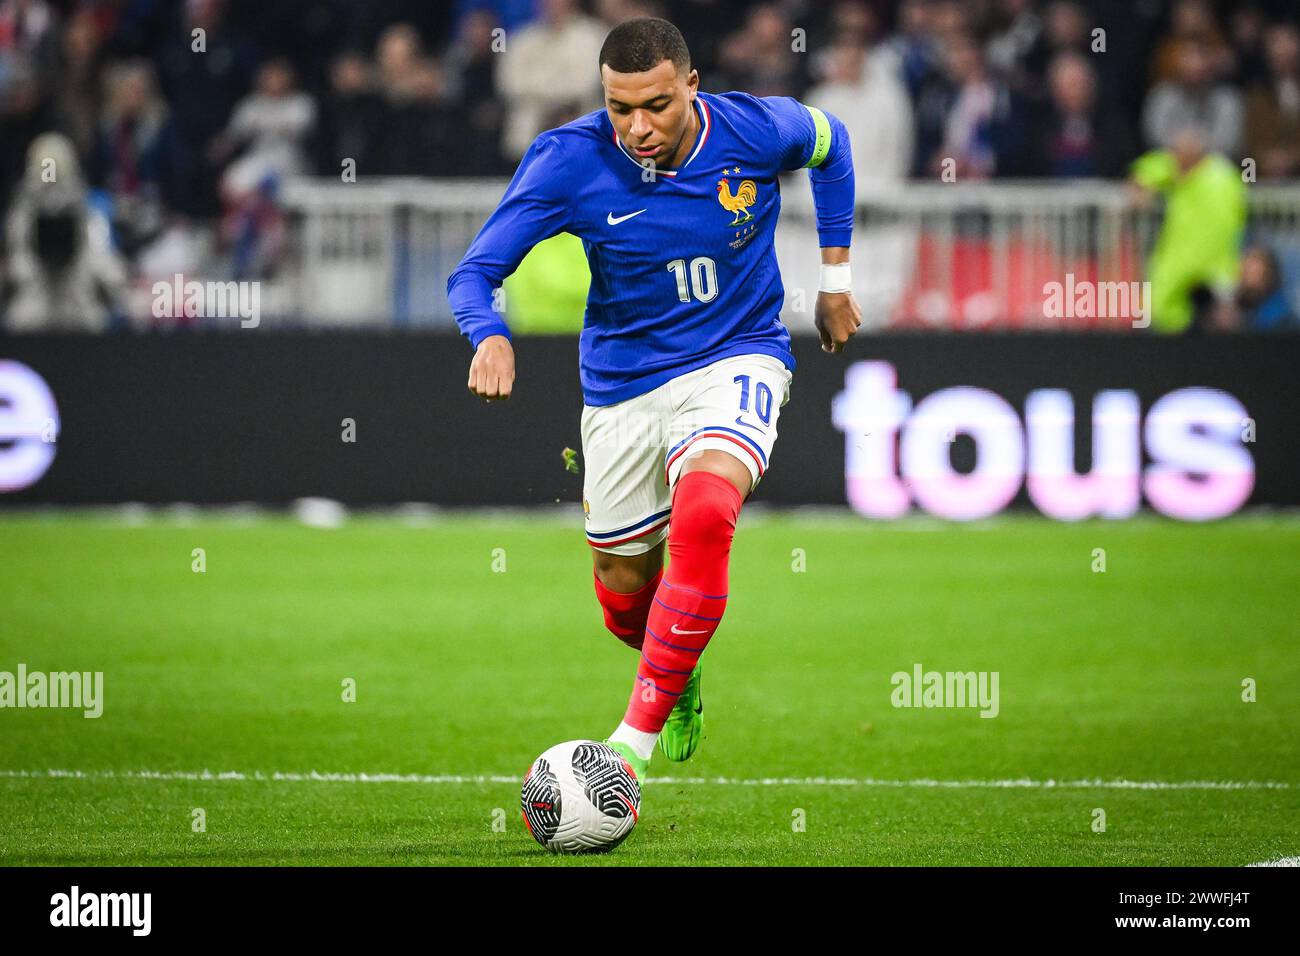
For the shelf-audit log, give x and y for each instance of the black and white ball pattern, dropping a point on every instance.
(580, 797)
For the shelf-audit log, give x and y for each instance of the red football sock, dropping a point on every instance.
(625, 614)
(691, 598)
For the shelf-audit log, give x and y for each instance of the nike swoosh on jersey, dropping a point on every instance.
(748, 425)
(677, 630)
(614, 222)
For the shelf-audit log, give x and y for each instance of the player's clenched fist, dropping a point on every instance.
(837, 317)
(492, 373)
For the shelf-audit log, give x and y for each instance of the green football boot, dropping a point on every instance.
(639, 766)
(681, 734)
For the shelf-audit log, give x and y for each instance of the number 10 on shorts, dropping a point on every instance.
(762, 398)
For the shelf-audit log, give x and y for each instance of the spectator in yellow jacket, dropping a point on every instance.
(1199, 244)
(548, 292)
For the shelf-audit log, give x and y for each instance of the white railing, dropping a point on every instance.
(925, 254)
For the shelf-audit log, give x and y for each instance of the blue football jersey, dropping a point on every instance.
(683, 269)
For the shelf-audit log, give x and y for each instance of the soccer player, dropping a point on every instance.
(683, 359)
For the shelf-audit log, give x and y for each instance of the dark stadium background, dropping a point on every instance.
(338, 157)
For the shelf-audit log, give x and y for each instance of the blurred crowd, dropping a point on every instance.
(166, 127)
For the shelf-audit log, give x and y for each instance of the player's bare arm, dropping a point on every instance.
(492, 370)
(836, 314)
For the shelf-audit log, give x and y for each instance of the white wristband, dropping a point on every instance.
(836, 278)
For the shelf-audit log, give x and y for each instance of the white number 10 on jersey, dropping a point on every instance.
(702, 275)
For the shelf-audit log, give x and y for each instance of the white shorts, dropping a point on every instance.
(633, 451)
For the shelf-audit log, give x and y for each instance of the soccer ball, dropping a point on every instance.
(580, 797)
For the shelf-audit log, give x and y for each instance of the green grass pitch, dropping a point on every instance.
(464, 673)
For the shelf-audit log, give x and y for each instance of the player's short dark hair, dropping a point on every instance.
(636, 46)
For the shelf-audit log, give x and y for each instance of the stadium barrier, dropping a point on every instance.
(943, 255)
(957, 426)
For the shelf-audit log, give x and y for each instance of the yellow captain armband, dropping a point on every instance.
(822, 145)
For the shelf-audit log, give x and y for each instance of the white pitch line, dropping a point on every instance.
(331, 777)
(1285, 861)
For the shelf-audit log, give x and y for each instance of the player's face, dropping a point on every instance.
(652, 111)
